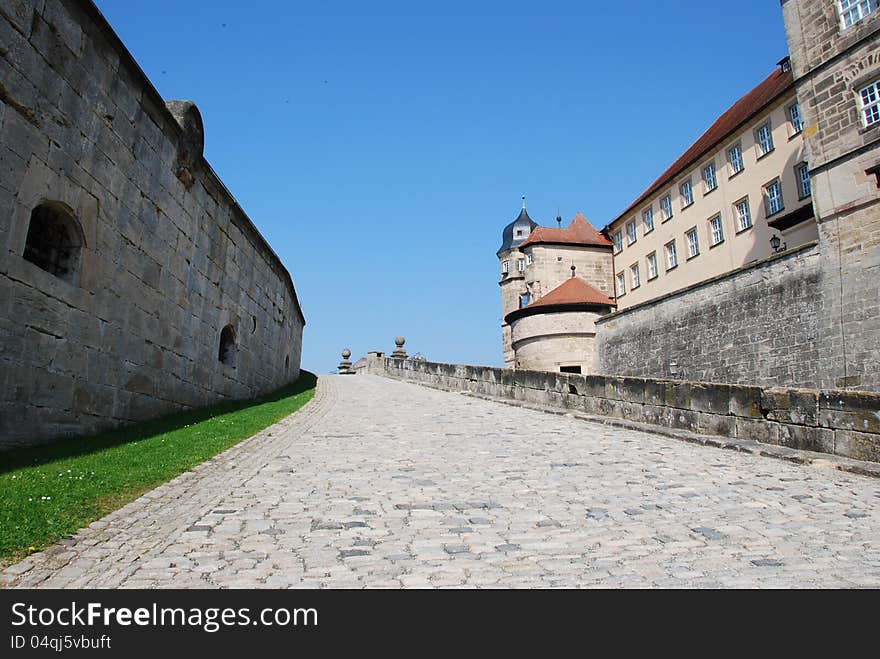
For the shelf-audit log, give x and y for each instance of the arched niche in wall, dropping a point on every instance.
(54, 241)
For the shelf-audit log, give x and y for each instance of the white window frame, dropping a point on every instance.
(693, 243)
(671, 255)
(869, 103)
(686, 196)
(764, 149)
(521, 265)
(770, 206)
(631, 235)
(505, 267)
(854, 11)
(648, 219)
(802, 175)
(716, 230)
(709, 172)
(736, 148)
(666, 207)
(795, 118)
(653, 271)
(620, 284)
(743, 219)
(617, 239)
(634, 277)
(529, 258)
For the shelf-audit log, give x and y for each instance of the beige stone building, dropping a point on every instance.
(835, 54)
(555, 282)
(740, 193)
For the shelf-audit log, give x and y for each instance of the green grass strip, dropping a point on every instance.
(49, 492)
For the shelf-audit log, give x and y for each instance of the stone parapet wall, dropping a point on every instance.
(844, 423)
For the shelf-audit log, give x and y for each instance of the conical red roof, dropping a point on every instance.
(573, 291)
(578, 232)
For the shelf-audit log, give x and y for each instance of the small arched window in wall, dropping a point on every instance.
(227, 345)
(287, 363)
(54, 241)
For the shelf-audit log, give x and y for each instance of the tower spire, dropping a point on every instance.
(524, 202)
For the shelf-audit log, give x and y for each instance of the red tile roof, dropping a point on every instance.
(578, 232)
(740, 112)
(574, 291)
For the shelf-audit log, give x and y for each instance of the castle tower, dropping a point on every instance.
(555, 282)
(512, 267)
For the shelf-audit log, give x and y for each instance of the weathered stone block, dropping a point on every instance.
(677, 394)
(758, 430)
(850, 410)
(745, 401)
(710, 398)
(716, 424)
(806, 438)
(857, 445)
(795, 406)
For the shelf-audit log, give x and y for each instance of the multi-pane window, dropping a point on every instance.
(648, 219)
(803, 180)
(709, 177)
(621, 284)
(521, 265)
(528, 259)
(652, 266)
(635, 280)
(630, 232)
(764, 138)
(735, 158)
(671, 255)
(617, 238)
(869, 102)
(687, 193)
(693, 243)
(743, 214)
(795, 118)
(505, 267)
(716, 229)
(666, 206)
(852, 11)
(773, 197)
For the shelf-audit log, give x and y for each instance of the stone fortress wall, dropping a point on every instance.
(757, 325)
(131, 282)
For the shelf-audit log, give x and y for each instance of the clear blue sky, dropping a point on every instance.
(380, 147)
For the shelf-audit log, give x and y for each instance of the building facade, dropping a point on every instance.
(131, 282)
(739, 194)
(835, 54)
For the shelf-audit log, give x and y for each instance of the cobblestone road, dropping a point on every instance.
(379, 483)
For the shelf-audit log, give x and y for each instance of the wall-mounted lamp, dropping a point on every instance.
(777, 244)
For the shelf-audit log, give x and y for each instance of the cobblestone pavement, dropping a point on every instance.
(379, 483)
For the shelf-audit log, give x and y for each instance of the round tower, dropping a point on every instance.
(511, 264)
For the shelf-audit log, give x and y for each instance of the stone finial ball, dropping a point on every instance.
(399, 341)
(346, 353)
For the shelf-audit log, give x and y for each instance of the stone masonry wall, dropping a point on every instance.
(168, 257)
(832, 63)
(758, 325)
(844, 423)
